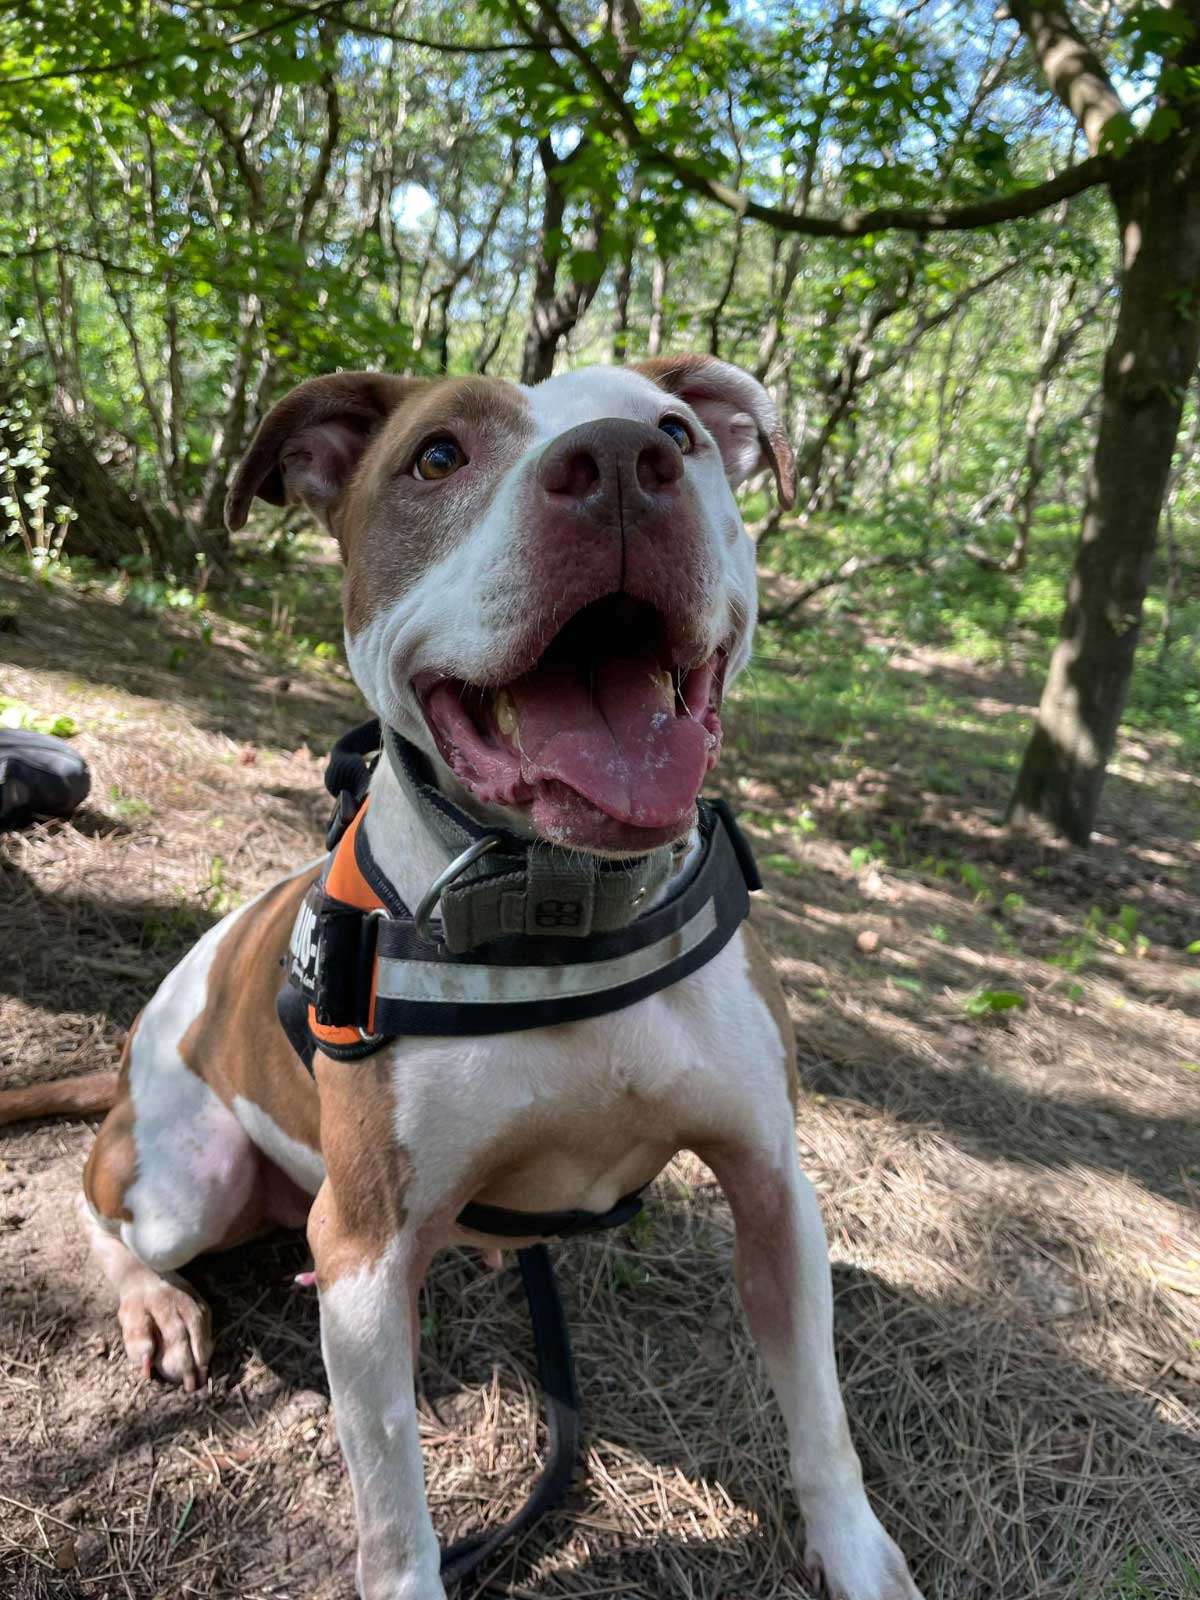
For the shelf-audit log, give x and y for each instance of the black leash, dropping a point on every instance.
(556, 1373)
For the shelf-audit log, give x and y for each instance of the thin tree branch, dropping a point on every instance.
(853, 224)
(156, 274)
(852, 567)
(320, 172)
(488, 47)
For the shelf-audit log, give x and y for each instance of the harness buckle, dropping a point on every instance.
(378, 914)
(345, 810)
(429, 900)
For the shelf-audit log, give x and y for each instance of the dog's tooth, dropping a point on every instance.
(506, 714)
(666, 682)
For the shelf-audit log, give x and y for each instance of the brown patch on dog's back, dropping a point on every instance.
(360, 1206)
(237, 1044)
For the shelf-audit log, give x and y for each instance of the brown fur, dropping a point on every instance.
(350, 440)
(361, 400)
(401, 526)
(111, 1161)
(236, 1043)
(80, 1097)
(360, 1206)
(237, 1046)
(544, 1164)
(693, 376)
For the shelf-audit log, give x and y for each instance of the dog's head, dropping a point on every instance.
(547, 589)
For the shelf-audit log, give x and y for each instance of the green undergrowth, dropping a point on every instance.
(287, 590)
(845, 643)
(836, 670)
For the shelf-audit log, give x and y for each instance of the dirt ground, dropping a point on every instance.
(1011, 1196)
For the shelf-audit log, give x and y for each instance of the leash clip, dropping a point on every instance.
(445, 878)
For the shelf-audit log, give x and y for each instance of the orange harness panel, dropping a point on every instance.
(344, 881)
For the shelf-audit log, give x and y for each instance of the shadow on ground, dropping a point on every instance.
(232, 684)
(984, 1454)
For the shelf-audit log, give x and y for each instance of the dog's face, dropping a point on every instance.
(547, 589)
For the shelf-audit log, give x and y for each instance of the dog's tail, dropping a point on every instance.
(96, 1091)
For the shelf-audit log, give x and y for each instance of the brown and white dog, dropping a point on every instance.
(478, 519)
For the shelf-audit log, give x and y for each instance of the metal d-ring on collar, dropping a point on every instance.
(429, 901)
(445, 878)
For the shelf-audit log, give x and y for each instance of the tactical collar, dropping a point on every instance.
(514, 885)
(528, 936)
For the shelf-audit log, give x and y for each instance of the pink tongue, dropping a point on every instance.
(615, 740)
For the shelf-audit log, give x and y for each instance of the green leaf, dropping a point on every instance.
(16, 714)
(1117, 134)
(782, 863)
(989, 1001)
(1162, 124)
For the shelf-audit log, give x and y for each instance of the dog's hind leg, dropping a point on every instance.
(782, 1265)
(165, 1326)
(171, 1175)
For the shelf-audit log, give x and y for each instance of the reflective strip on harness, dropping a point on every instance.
(368, 975)
(475, 984)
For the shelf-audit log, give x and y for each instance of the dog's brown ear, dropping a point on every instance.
(736, 410)
(308, 446)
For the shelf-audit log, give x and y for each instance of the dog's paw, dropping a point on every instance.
(851, 1557)
(381, 1581)
(166, 1329)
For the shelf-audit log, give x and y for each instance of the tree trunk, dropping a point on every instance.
(541, 339)
(554, 312)
(1146, 374)
(622, 290)
(658, 314)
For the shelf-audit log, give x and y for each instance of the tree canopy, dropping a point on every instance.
(916, 223)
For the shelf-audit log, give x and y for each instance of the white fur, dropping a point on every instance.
(184, 1135)
(182, 1132)
(366, 1339)
(300, 1161)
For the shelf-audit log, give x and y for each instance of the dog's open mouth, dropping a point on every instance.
(606, 739)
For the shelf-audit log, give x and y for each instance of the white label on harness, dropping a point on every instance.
(468, 983)
(303, 947)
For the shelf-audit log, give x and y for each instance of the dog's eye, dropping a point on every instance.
(675, 428)
(438, 459)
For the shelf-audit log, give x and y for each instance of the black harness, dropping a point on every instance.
(359, 977)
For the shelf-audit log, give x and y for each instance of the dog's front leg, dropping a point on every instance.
(368, 1288)
(782, 1263)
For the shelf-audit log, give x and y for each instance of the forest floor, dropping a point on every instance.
(1010, 1189)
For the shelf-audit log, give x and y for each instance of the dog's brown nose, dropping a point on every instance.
(614, 462)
